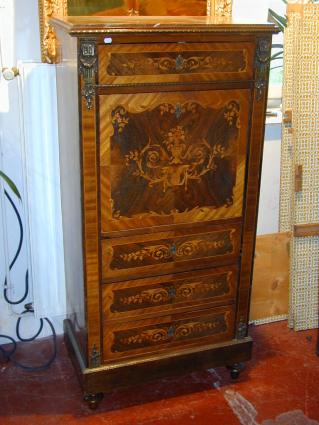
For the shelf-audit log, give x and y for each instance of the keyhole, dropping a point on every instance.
(170, 331)
(173, 249)
(172, 292)
(179, 62)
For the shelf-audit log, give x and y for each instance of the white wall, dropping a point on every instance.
(20, 41)
(268, 214)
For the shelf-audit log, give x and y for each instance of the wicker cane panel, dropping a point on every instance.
(301, 147)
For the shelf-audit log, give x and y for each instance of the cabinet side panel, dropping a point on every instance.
(258, 118)
(67, 87)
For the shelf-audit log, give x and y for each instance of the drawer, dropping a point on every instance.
(178, 330)
(161, 295)
(169, 252)
(175, 62)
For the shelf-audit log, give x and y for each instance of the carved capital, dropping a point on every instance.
(262, 64)
(88, 69)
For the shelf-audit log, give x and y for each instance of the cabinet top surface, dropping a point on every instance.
(77, 25)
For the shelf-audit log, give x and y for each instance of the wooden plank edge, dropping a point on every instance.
(302, 230)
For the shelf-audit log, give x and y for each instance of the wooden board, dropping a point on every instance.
(270, 290)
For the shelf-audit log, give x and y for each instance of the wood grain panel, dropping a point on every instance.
(169, 158)
(303, 230)
(180, 62)
(122, 339)
(158, 295)
(252, 192)
(90, 226)
(270, 289)
(167, 252)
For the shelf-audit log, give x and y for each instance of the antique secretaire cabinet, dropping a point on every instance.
(161, 127)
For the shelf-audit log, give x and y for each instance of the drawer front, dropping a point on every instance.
(168, 252)
(178, 330)
(160, 295)
(175, 62)
(172, 158)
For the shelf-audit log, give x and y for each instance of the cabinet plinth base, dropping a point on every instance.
(129, 372)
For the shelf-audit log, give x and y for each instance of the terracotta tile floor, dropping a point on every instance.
(279, 387)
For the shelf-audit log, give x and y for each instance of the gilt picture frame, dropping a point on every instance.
(60, 8)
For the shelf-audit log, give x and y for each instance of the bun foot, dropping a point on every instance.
(93, 400)
(236, 369)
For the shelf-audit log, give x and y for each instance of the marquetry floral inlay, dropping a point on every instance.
(150, 296)
(169, 333)
(179, 63)
(185, 249)
(231, 114)
(178, 292)
(186, 62)
(156, 252)
(119, 119)
(176, 159)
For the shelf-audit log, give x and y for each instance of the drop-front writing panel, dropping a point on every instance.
(169, 158)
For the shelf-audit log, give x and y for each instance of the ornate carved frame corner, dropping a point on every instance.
(49, 8)
(219, 8)
(48, 40)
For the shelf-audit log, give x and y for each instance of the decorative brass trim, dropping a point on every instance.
(262, 64)
(241, 329)
(48, 9)
(95, 357)
(88, 69)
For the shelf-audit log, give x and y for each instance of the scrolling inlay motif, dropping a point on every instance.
(170, 332)
(262, 65)
(148, 296)
(170, 63)
(176, 160)
(186, 249)
(173, 158)
(210, 245)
